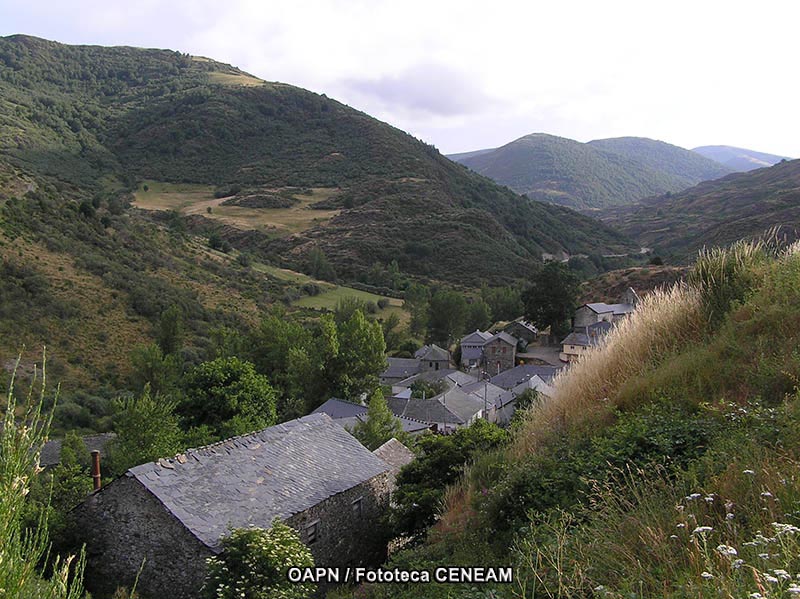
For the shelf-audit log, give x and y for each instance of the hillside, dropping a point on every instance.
(683, 165)
(664, 463)
(739, 159)
(602, 173)
(610, 286)
(716, 212)
(98, 120)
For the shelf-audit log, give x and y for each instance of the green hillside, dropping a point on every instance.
(716, 212)
(739, 159)
(100, 119)
(664, 465)
(602, 173)
(683, 165)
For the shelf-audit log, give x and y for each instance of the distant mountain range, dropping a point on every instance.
(739, 159)
(716, 212)
(598, 174)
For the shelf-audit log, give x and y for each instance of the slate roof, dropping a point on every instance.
(480, 388)
(509, 379)
(395, 453)
(505, 337)
(432, 353)
(339, 408)
(449, 375)
(401, 368)
(249, 480)
(617, 309)
(51, 451)
(425, 410)
(523, 323)
(476, 338)
(409, 425)
(588, 336)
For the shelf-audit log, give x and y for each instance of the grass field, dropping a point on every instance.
(197, 199)
(234, 79)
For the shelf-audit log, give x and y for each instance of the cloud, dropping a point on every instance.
(422, 89)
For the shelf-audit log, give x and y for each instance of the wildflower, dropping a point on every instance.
(737, 563)
(681, 525)
(702, 530)
(709, 498)
(729, 516)
(766, 495)
(673, 536)
(782, 574)
(781, 528)
(727, 550)
(707, 575)
(680, 508)
(763, 555)
(756, 596)
(751, 473)
(692, 497)
(770, 578)
(794, 589)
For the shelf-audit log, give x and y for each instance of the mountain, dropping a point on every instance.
(678, 162)
(598, 174)
(716, 212)
(99, 120)
(739, 159)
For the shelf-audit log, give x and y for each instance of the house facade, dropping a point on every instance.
(432, 357)
(499, 353)
(589, 314)
(581, 340)
(167, 517)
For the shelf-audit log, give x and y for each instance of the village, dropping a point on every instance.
(159, 522)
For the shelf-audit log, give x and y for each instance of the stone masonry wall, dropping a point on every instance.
(124, 524)
(345, 538)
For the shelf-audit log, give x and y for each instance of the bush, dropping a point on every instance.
(254, 563)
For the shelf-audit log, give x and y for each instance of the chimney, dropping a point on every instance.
(96, 469)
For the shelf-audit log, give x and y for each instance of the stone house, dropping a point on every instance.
(581, 339)
(167, 517)
(472, 349)
(348, 414)
(51, 451)
(589, 314)
(432, 357)
(499, 353)
(523, 330)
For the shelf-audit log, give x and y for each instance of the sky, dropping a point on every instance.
(467, 75)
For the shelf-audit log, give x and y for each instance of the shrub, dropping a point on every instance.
(254, 563)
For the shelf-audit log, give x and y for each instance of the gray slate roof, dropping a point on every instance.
(401, 368)
(51, 451)
(432, 353)
(394, 453)
(476, 338)
(509, 379)
(617, 309)
(588, 336)
(425, 410)
(249, 480)
(339, 408)
(505, 337)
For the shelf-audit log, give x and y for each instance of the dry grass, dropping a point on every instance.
(234, 79)
(191, 199)
(664, 321)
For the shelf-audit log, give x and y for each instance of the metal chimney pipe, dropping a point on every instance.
(96, 470)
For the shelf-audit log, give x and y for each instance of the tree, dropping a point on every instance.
(254, 564)
(421, 483)
(380, 425)
(361, 356)
(447, 313)
(170, 330)
(147, 429)
(505, 303)
(151, 367)
(550, 300)
(229, 397)
(478, 316)
(319, 267)
(416, 299)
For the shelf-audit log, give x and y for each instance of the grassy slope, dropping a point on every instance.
(601, 173)
(97, 118)
(662, 459)
(716, 212)
(610, 286)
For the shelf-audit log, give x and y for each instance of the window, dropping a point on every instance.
(358, 507)
(312, 532)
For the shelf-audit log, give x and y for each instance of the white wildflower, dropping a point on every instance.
(727, 550)
(770, 578)
(751, 473)
(692, 497)
(702, 530)
(782, 574)
(737, 563)
(766, 495)
(709, 498)
(707, 575)
(729, 516)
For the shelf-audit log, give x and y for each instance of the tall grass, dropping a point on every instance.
(663, 322)
(22, 551)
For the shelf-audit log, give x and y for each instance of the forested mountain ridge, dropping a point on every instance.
(100, 119)
(606, 172)
(716, 213)
(739, 159)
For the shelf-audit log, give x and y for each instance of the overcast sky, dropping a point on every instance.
(466, 75)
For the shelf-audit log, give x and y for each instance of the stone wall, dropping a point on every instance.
(499, 352)
(124, 524)
(345, 537)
